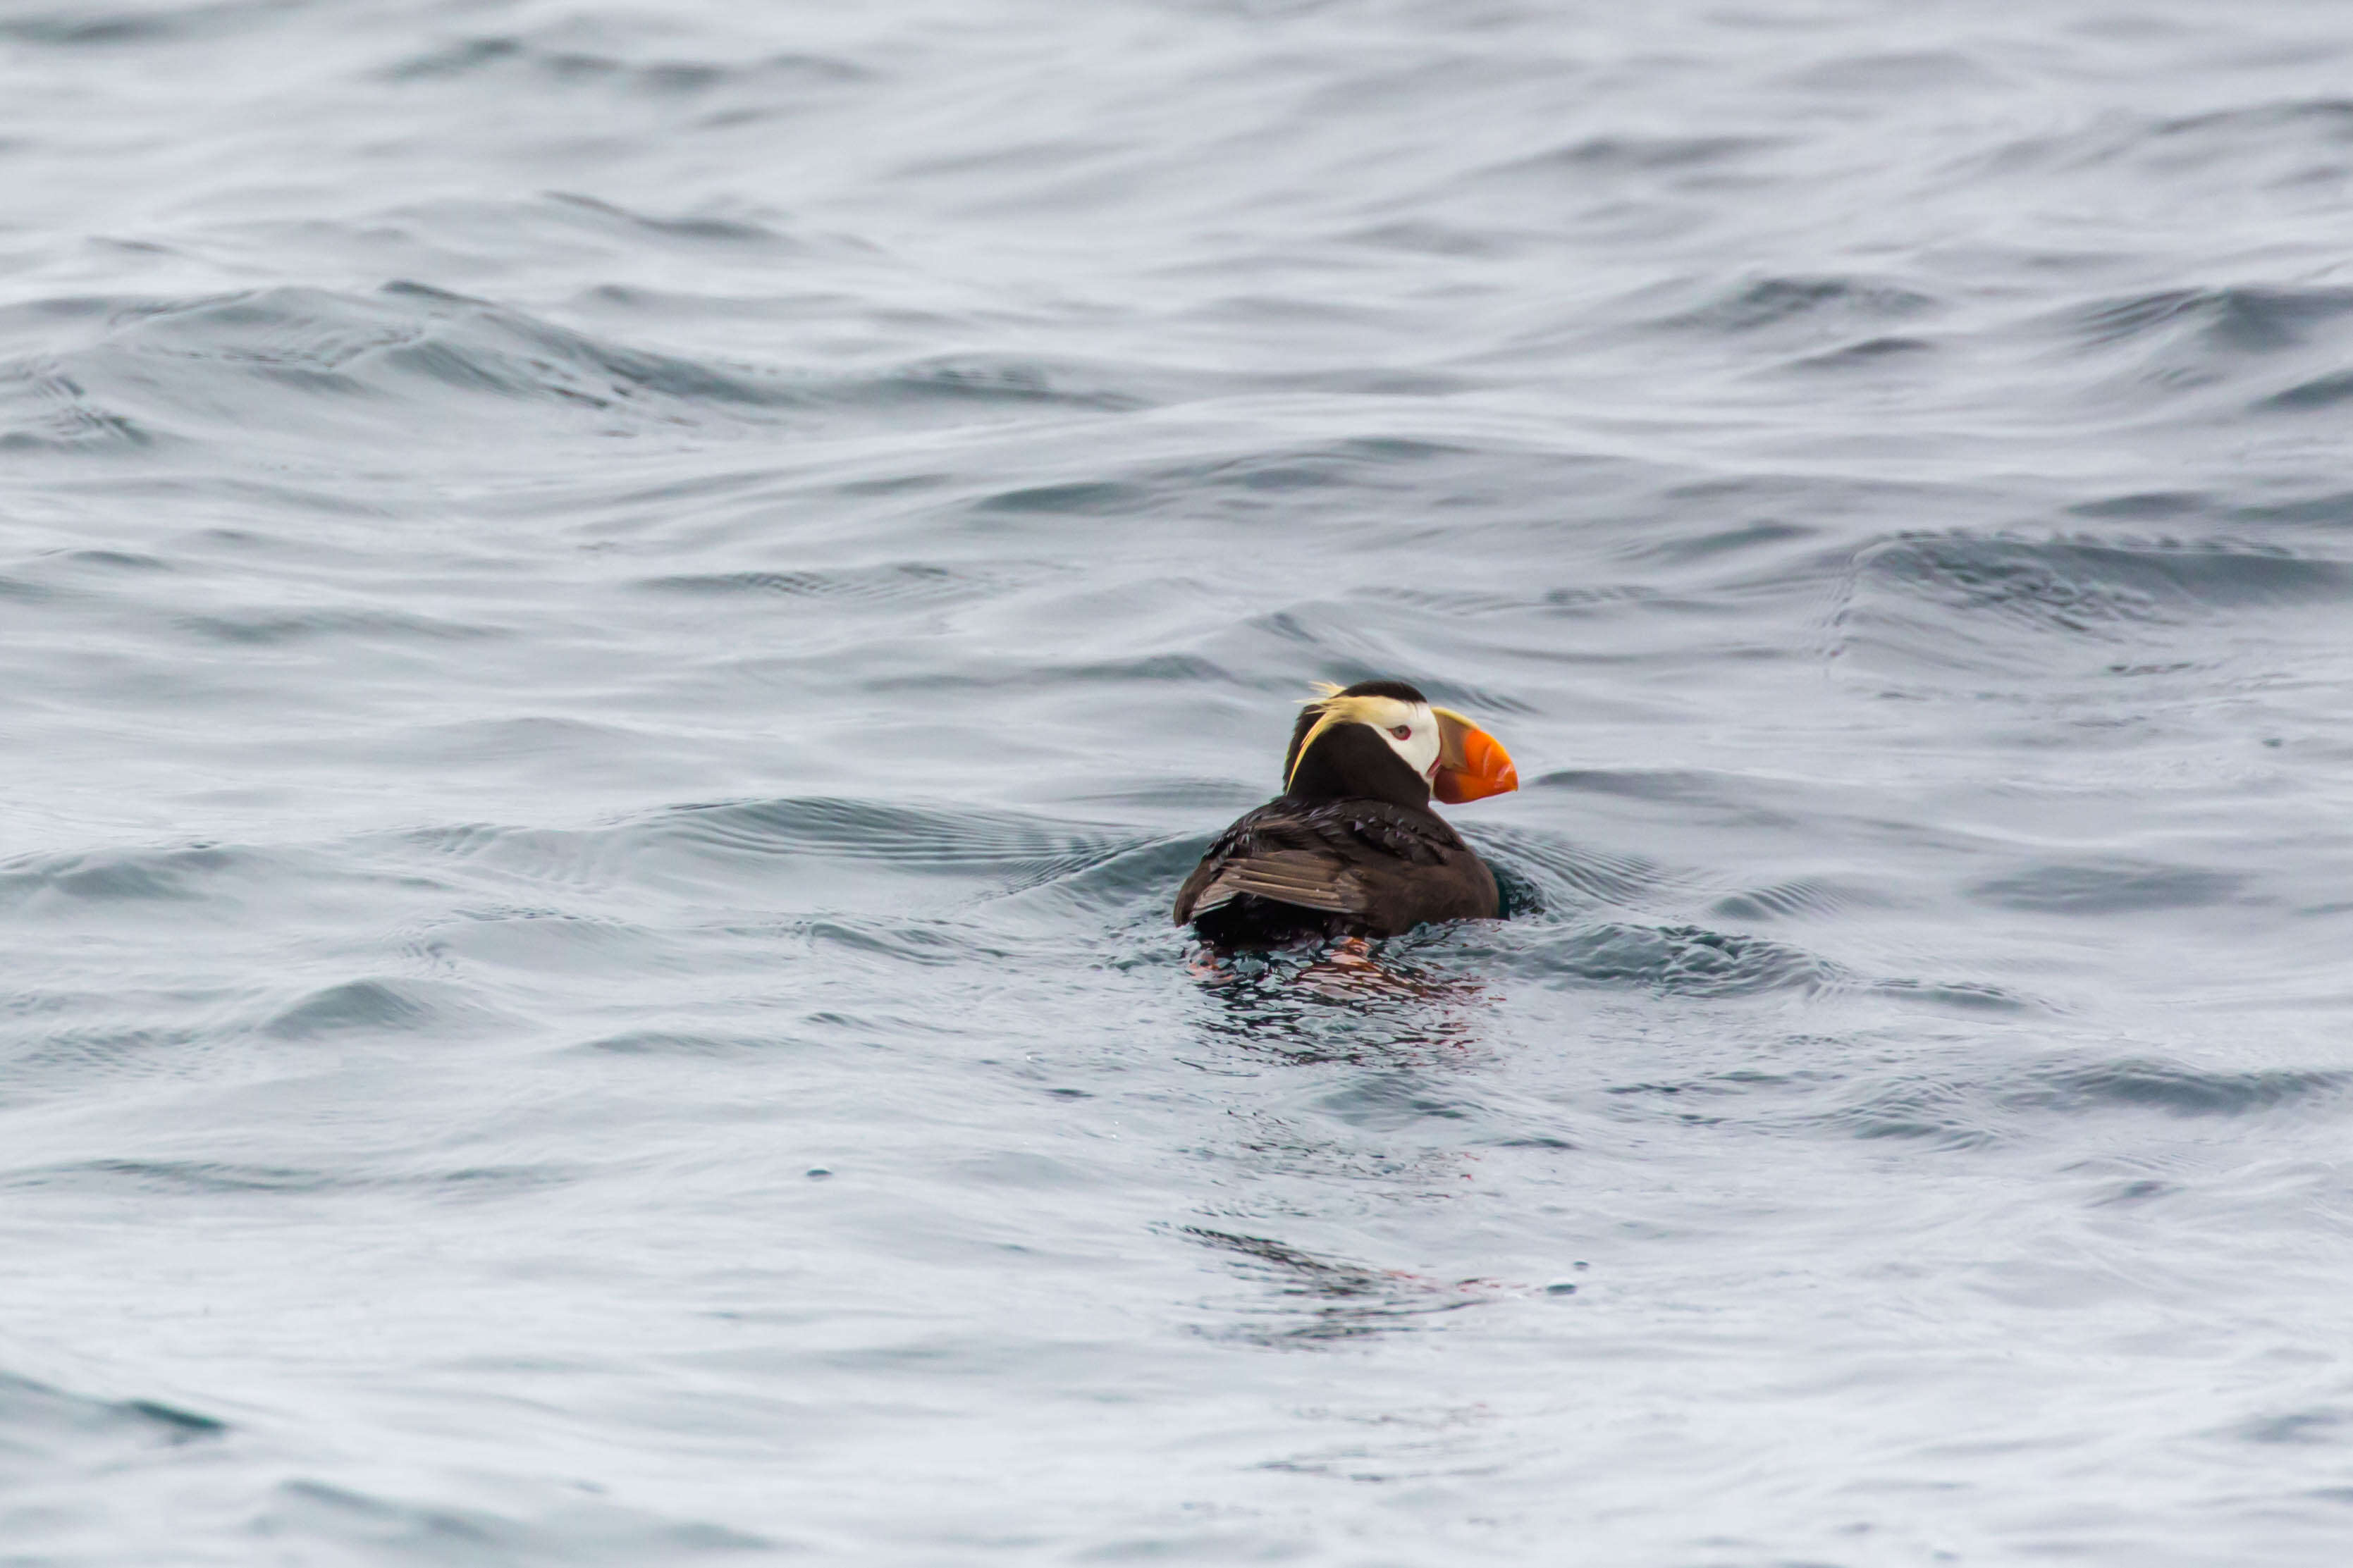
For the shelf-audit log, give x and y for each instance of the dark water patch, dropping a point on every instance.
(98, 28)
(2149, 506)
(1175, 669)
(35, 1416)
(1962, 996)
(2331, 118)
(1813, 303)
(1628, 154)
(19, 591)
(1739, 538)
(1250, 483)
(224, 1178)
(457, 57)
(1428, 238)
(118, 560)
(276, 628)
(963, 380)
(1299, 1008)
(2322, 391)
(1917, 1108)
(735, 231)
(1517, 895)
(1869, 353)
(673, 1043)
(2133, 1193)
(1706, 1101)
(1083, 499)
(1327, 1300)
(544, 58)
(2327, 1425)
(2102, 888)
(177, 1176)
(2331, 508)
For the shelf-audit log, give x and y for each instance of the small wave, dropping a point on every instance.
(833, 852)
(1807, 898)
(272, 628)
(289, 355)
(542, 58)
(900, 582)
(1813, 304)
(2102, 888)
(2321, 392)
(573, 1531)
(1631, 154)
(176, 874)
(366, 1007)
(1899, 71)
(1676, 959)
(1562, 877)
(407, 360)
(44, 407)
(1966, 1110)
(1868, 353)
(2244, 320)
(1979, 602)
(92, 27)
(2175, 1089)
(1119, 877)
(204, 1178)
(34, 1413)
(679, 1043)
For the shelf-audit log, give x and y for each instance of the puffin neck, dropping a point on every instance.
(1349, 762)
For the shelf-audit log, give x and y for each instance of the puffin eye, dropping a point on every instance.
(1402, 731)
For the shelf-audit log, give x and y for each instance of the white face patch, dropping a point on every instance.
(1418, 742)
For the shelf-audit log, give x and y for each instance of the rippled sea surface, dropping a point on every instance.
(621, 618)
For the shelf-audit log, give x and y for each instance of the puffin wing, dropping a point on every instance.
(1306, 877)
(1323, 858)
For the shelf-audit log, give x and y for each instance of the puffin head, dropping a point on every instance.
(1382, 740)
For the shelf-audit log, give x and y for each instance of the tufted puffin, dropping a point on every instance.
(1350, 848)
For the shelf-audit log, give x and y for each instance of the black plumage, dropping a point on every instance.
(1350, 848)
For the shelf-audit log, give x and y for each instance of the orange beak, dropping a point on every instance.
(1472, 766)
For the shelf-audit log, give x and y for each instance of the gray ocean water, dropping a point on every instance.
(621, 619)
